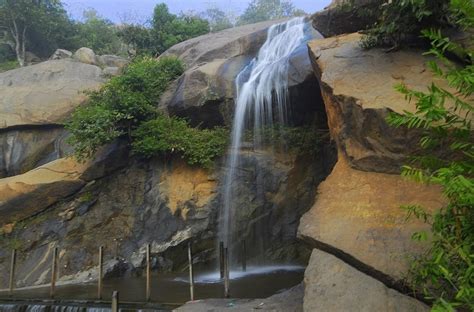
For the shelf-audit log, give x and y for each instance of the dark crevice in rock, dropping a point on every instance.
(47, 126)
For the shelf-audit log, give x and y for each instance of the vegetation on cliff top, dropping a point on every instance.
(126, 107)
(444, 116)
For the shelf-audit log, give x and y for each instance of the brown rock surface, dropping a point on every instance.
(332, 285)
(45, 93)
(358, 89)
(357, 215)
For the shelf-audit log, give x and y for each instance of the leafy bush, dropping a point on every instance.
(8, 66)
(403, 20)
(446, 271)
(125, 106)
(167, 135)
(121, 104)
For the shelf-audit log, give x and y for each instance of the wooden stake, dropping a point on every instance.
(115, 301)
(244, 256)
(12, 272)
(148, 272)
(226, 273)
(101, 266)
(54, 268)
(221, 258)
(191, 274)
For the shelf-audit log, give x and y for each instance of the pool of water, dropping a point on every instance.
(173, 288)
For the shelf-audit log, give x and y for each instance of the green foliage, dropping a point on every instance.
(444, 116)
(36, 26)
(169, 29)
(218, 19)
(167, 135)
(401, 21)
(264, 10)
(138, 38)
(125, 107)
(98, 33)
(122, 104)
(8, 66)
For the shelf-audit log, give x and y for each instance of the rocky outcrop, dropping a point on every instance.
(332, 285)
(204, 94)
(346, 16)
(358, 90)
(26, 195)
(60, 54)
(357, 216)
(46, 93)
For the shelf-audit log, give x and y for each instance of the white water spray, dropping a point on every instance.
(262, 96)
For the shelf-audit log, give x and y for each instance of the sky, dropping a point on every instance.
(141, 10)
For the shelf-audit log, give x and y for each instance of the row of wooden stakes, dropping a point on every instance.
(223, 264)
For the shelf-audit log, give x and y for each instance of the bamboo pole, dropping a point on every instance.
(54, 269)
(12, 272)
(115, 301)
(221, 259)
(101, 267)
(148, 272)
(226, 273)
(244, 256)
(191, 274)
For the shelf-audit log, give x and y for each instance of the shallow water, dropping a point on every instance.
(173, 288)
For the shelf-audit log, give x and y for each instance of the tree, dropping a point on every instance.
(263, 10)
(98, 33)
(218, 19)
(444, 117)
(169, 29)
(34, 23)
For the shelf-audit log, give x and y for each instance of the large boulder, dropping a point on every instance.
(205, 93)
(357, 86)
(86, 56)
(112, 61)
(333, 285)
(46, 93)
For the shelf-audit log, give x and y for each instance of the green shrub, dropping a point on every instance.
(446, 271)
(8, 66)
(171, 135)
(121, 104)
(401, 21)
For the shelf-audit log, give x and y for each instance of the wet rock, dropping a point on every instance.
(332, 285)
(86, 56)
(357, 215)
(288, 301)
(205, 92)
(25, 149)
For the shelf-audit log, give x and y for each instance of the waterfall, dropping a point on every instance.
(262, 96)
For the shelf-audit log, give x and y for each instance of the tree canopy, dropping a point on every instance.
(263, 10)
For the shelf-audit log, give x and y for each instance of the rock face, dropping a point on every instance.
(357, 215)
(205, 92)
(358, 90)
(345, 16)
(60, 54)
(46, 93)
(332, 285)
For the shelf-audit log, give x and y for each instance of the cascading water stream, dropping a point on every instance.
(262, 96)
